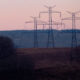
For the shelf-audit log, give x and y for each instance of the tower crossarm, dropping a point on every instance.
(28, 22)
(73, 18)
(77, 18)
(42, 13)
(50, 11)
(50, 6)
(41, 22)
(68, 18)
(59, 23)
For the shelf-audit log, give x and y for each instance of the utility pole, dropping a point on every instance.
(50, 23)
(74, 39)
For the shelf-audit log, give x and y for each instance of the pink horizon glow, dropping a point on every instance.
(14, 13)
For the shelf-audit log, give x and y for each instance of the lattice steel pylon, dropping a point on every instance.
(50, 23)
(35, 31)
(53, 23)
(74, 38)
(36, 23)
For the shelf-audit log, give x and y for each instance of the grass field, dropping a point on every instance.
(45, 57)
(53, 64)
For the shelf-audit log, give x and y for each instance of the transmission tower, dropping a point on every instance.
(36, 23)
(74, 38)
(53, 23)
(50, 23)
(35, 31)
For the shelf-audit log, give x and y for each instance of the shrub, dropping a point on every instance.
(6, 47)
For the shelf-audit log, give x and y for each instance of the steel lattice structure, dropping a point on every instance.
(36, 23)
(74, 38)
(50, 23)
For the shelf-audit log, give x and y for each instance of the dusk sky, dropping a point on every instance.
(14, 13)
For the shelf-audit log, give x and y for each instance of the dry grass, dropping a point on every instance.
(59, 72)
(52, 64)
(46, 57)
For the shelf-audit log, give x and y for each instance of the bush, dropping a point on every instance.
(6, 47)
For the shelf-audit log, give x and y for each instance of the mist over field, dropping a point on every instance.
(25, 38)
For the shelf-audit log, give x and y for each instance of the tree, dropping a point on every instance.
(6, 47)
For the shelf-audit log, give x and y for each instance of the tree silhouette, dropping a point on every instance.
(6, 47)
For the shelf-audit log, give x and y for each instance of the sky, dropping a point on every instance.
(14, 13)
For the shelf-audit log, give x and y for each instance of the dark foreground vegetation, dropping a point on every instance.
(13, 66)
(59, 72)
(52, 65)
